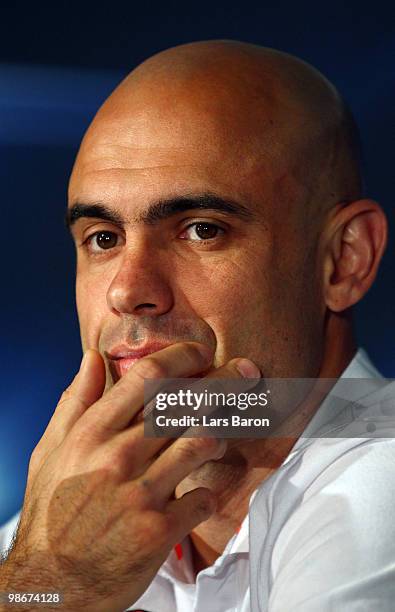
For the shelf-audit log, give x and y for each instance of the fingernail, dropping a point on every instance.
(222, 450)
(205, 351)
(248, 369)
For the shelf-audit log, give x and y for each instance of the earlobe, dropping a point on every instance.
(357, 242)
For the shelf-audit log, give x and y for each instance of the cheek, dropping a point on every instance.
(256, 308)
(229, 295)
(91, 307)
(220, 285)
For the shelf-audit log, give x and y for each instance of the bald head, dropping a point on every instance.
(209, 188)
(257, 105)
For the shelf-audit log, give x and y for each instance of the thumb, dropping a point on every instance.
(91, 379)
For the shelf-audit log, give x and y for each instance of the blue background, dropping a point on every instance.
(56, 67)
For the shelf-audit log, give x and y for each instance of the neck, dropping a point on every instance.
(339, 347)
(248, 463)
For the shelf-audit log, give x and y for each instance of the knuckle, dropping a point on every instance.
(84, 435)
(63, 397)
(112, 461)
(35, 458)
(66, 396)
(150, 367)
(127, 452)
(186, 452)
(192, 449)
(36, 452)
(68, 391)
(191, 351)
(121, 459)
(209, 445)
(204, 503)
(96, 425)
(139, 494)
(143, 494)
(155, 527)
(99, 422)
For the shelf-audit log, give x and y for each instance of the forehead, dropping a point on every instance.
(138, 150)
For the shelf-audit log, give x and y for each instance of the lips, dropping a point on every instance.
(123, 357)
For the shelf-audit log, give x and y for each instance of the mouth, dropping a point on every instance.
(122, 358)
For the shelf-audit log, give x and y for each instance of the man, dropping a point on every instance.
(221, 232)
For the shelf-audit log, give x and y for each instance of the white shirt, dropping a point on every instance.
(319, 535)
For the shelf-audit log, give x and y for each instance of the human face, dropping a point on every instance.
(198, 237)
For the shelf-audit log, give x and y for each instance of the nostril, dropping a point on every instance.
(144, 306)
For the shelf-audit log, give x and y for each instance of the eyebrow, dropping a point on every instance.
(157, 211)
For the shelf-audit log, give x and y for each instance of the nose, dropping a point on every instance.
(140, 286)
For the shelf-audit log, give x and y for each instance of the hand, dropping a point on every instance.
(99, 515)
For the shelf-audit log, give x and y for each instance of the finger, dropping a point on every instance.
(131, 451)
(239, 367)
(190, 510)
(86, 388)
(176, 463)
(236, 369)
(117, 408)
(137, 450)
(218, 384)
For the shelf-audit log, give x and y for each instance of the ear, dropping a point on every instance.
(355, 242)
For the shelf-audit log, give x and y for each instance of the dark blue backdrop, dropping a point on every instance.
(55, 70)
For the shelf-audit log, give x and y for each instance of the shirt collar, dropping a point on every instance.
(179, 567)
(340, 396)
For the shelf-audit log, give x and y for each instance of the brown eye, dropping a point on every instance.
(200, 231)
(205, 231)
(103, 241)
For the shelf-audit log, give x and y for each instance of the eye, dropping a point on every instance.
(201, 231)
(102, 241)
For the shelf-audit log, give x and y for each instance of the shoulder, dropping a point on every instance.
(338, 542)
(356, 487)
(6, 534)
